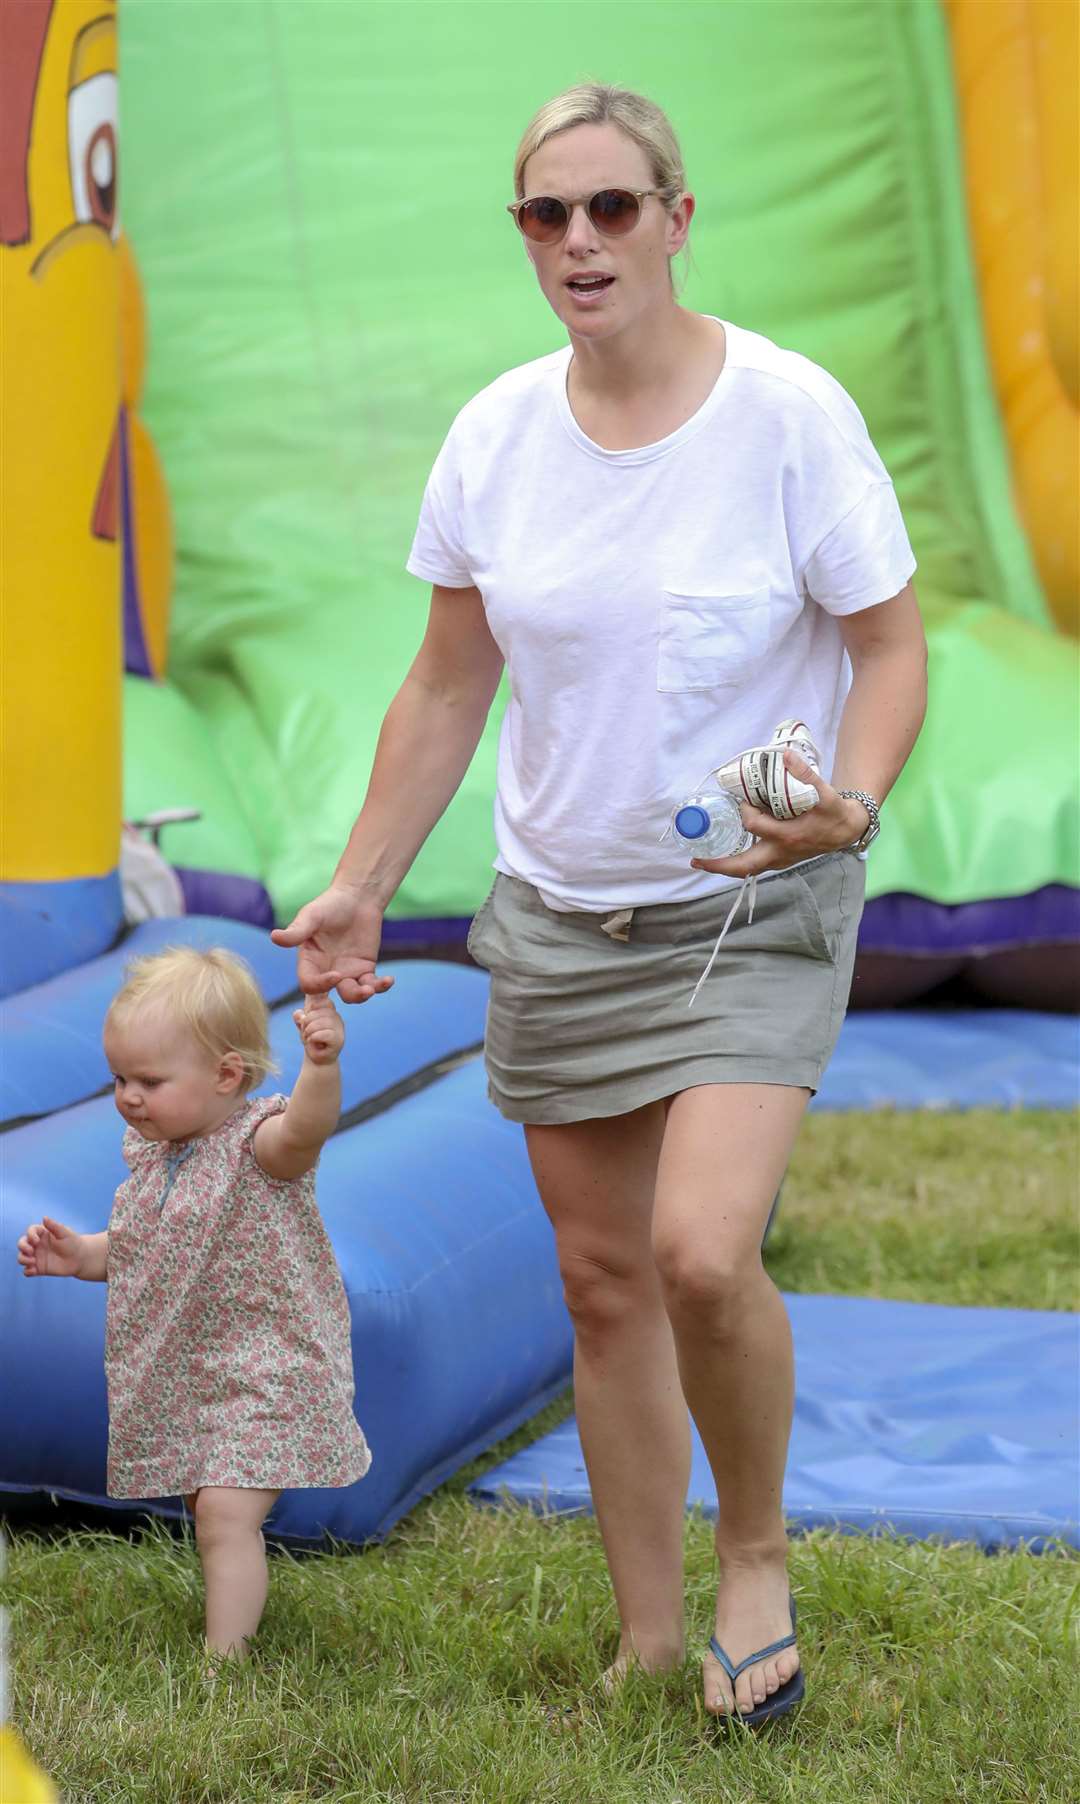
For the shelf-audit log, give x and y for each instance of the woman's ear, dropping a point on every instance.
(231, 1073)
(679, 224)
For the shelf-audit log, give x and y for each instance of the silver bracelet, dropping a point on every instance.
(874, 827)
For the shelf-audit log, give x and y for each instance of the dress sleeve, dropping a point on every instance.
(438, 550)
(258, 1110)
(135, 1149)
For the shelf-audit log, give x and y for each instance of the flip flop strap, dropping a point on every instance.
(764, 1653)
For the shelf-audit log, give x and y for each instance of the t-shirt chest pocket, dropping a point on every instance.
(711, 639)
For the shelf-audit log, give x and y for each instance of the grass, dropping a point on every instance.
(980, 1208)
(457, 1663)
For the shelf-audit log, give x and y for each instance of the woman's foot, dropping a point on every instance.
(753, 1609)
(657, 1658)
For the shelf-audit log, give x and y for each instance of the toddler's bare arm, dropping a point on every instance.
(288, 1144)
(49, 1250)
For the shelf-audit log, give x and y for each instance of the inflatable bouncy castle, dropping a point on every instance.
(315, 196)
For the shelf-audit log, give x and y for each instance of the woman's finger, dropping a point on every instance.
(797, 765)
(304, 924)
(744, 864)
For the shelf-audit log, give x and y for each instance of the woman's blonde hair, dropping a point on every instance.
(595, 103)
(209, 991)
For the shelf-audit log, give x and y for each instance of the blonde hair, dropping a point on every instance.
(209, 991)
(596, 103)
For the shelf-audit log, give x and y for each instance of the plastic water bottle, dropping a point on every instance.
(710, 825)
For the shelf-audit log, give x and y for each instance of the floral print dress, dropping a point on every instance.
(227, 1340)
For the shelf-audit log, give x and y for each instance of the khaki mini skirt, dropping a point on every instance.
(588, 1014)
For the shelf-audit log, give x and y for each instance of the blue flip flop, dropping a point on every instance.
(782, 1701)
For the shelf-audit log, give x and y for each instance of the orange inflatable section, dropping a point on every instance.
(1016, 64)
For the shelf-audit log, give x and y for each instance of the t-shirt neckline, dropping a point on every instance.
(661, 447)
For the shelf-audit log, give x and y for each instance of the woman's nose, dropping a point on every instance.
(581, 234)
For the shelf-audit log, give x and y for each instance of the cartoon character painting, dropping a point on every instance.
(85, 527)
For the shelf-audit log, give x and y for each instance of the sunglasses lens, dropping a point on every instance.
(543, 219)
(614, 211)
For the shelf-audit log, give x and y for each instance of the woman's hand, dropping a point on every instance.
(49, 1250)
(834, 822)
(321, 1029)
(338, 938)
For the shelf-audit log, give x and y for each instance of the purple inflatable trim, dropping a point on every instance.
(437, 930)
(905, 924)
(900, 924)
(136, 656)
(216, 893)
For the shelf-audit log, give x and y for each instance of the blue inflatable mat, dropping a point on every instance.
(910, 1418)
(458, 1326)
(938, 1058)
(459, 1330)
(52, 1033)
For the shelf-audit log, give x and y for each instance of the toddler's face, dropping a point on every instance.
(167, 1085)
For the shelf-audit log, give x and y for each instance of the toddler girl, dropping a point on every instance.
(227, 1341)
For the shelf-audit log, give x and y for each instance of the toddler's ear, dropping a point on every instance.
(231, 1073)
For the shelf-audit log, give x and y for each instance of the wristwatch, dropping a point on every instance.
(874, 825)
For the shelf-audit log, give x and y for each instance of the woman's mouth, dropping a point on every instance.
(589, 288)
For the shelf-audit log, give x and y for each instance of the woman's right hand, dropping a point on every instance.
(337, 936)
(49, 1250)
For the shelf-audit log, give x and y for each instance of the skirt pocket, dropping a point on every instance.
(830, 892)
(474, 937)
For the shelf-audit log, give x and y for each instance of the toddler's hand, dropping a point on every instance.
(321, 1029)
(49, 1250)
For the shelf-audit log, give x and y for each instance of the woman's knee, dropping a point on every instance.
(712, 1281)
(603, 1295)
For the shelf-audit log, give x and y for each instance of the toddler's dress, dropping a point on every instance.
(227, 1340)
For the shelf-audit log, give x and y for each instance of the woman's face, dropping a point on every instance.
(573, 165)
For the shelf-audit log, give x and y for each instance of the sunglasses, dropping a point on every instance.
(613, 211)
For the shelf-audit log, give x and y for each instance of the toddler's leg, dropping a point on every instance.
(228, 1531)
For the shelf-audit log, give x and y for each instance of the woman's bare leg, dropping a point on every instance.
(724, 1154)
(228, 1531)
(596, 1179)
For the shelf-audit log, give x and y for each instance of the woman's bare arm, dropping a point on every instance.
(427, 740)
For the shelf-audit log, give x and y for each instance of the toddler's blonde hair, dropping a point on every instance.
(209, 991)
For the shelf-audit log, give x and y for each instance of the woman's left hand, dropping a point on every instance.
(834, 822)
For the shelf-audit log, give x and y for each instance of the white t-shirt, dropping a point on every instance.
(659, 609)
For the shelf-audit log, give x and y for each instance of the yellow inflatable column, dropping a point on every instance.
(60, 507)
(1016, 76)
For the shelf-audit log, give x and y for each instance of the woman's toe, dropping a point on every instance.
(717, 1691)
(771, 1676)
(747, 1692)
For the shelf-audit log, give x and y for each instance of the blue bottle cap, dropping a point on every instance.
(692, 822)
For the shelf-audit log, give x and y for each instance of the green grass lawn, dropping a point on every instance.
(458, 1662)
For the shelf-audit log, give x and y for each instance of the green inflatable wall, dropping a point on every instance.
(315, 194)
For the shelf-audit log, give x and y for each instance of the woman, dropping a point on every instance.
(675, 535)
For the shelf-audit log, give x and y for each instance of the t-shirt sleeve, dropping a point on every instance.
(865, 558)
(438, 552)
(850, 546)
